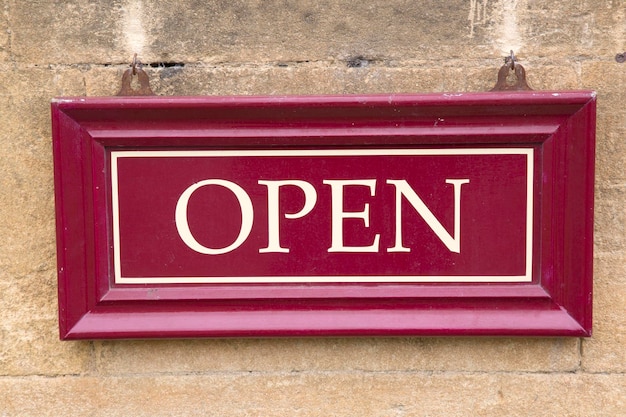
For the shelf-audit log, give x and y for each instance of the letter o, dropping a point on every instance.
(247, 217)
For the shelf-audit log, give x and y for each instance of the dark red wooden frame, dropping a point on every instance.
(559, 125)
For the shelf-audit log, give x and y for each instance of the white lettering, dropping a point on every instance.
(247, 216)
(273, 214)
(404, 189)
(338, 215)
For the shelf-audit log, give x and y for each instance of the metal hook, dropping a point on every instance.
(510, 64)
(135, 62)
(144, 81)
(511, 59)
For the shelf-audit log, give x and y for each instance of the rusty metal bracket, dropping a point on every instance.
(520, 84)
(143, 79)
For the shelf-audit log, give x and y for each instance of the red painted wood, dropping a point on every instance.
(560, 126)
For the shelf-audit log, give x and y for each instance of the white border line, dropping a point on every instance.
(527, 277)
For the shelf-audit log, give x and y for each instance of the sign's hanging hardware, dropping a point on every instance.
(511, 64)
(143, 79)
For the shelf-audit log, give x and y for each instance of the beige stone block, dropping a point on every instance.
(567, 28)
(610, 267)
(319, 394)
(5, 34)
(28, 217)
(605, 352)
(378, 79)
(28, 250)
(299, 31)
(64, 32)
(610, 148)
(27, 297)
(281, 79)
(304, 79)
(481, 77)
(26, 205)
(30, 342)
(80, 31)
(610, 219)
(551, 77)
(31, 346)
(606, 77)
(25, 96)
(355, 354)
(208, 80)
(319, 78)
(26, 172)
(107, 81)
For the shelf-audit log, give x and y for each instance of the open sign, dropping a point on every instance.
(437, 214)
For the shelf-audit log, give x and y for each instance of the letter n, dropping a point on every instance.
(453, 243)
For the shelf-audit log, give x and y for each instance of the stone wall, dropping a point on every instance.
(52, 48)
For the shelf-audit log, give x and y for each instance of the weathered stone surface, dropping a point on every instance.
(5, 33)
(31, 346)
(610, 268)
(605, 352)
(80, 31)
(81, 47)
(26, 169)
(274, 80)
(319, 394)
(30, 342)
(73, 31)
(610, 219)
(295, 79)
(285, 78)
(297, 31)
(358, 354)
(605, 76)
(610, 149)
(552, 77)
(588, 27)
(26, 297)
(272, 31)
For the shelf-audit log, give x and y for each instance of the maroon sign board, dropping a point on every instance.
(437, 214)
